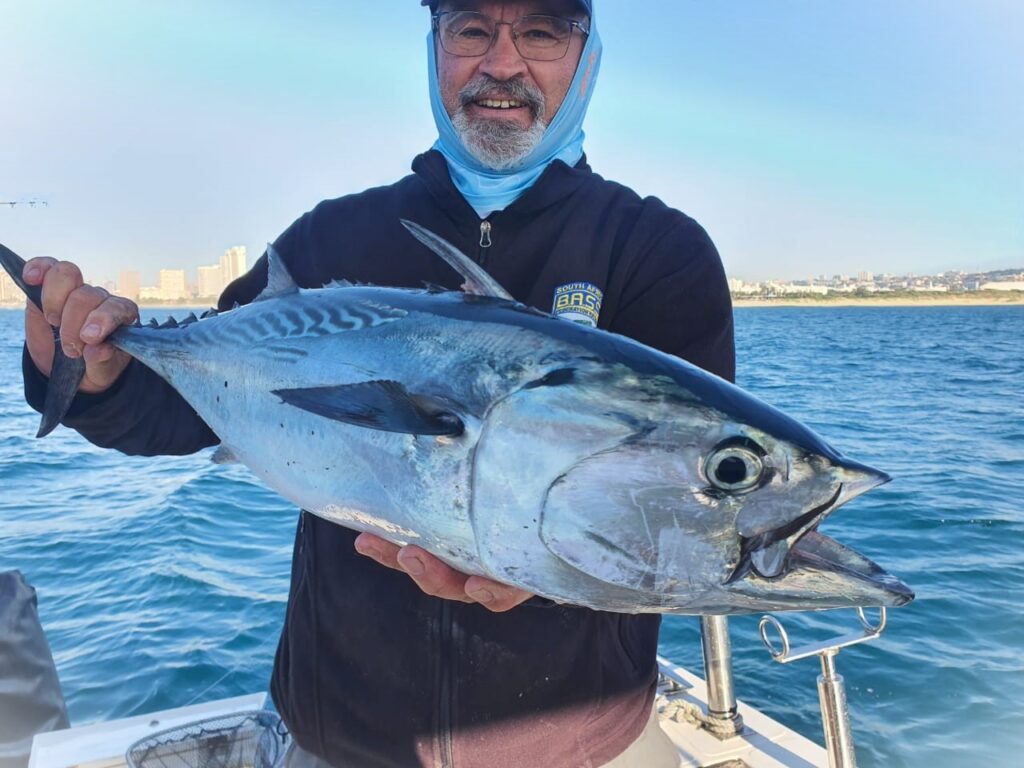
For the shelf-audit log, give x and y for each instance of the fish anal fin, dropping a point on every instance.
(379, 404)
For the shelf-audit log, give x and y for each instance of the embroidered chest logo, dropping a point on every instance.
(578, 303)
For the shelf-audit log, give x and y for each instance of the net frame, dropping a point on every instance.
(254, 739)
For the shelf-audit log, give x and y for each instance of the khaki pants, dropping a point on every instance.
(652, 749)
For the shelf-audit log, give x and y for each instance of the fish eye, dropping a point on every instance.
(735, 466)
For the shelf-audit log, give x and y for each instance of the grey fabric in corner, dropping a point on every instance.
(31, 701)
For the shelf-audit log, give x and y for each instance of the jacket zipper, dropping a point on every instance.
(485, 240)
(444, 692)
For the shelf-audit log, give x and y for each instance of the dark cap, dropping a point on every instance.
(584, 4)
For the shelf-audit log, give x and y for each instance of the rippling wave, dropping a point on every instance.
(163, 581)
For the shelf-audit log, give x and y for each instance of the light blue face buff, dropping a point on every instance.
(488, 190)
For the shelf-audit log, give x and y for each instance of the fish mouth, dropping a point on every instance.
(863, 582)
(796, 564)
(767, 554)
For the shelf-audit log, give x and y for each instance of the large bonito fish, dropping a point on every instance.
(565, 460)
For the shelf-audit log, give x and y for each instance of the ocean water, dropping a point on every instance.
(162, 582)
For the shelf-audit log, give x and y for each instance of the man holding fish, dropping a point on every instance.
(417, 663)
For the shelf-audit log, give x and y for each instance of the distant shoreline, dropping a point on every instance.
(979, 299)
(974, 299)
(144, 305)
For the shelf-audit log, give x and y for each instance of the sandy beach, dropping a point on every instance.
(974, 299)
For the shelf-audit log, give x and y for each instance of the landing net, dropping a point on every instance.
(242, 740)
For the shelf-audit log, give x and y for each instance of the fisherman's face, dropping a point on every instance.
(474, 87)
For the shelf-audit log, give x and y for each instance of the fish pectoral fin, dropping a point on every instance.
(380, 404)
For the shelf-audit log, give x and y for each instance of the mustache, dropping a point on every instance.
(516, 89)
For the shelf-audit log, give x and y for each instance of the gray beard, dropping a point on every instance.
(500, 145)
(497, 144)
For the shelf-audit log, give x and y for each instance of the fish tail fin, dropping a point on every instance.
(66, 373)
(14, 265)
(65, 377)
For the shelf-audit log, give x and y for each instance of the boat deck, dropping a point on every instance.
(681, 702)
(763, 743)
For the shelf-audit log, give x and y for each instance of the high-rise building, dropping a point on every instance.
(210, 281)
(128, 284)
(172, 284)
(232, 264)
(9, 291)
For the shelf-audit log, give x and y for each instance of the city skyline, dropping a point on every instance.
(172, 281)
(196, 268)
(804, 137)
(860, 281)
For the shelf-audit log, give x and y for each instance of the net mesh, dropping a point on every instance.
(242, 740)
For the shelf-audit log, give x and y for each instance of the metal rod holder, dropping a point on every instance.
(724, 719)
(835, 715)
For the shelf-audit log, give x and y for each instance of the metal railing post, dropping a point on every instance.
(724, 718)
(835, 715)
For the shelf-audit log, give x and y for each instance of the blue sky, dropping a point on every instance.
(807, 137)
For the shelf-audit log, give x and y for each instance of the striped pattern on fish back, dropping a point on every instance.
(288, 319)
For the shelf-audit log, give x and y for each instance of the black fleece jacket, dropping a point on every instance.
(370, 671)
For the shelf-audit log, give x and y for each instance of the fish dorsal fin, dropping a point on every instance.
(279, 279)
(339, 284)
(378, 404)
(477, 281)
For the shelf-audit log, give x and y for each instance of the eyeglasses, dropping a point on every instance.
(536, 37)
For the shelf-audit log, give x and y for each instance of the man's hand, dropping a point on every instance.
(87, 315)
(437, 579)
